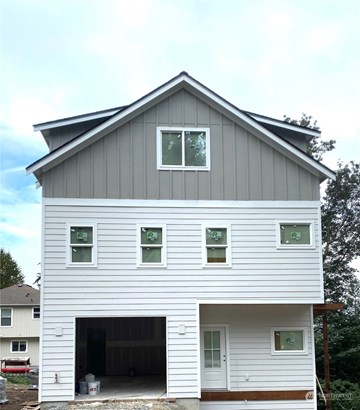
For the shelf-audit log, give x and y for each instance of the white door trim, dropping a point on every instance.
(227, 350)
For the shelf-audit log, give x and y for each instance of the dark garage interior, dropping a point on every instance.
(121, 346)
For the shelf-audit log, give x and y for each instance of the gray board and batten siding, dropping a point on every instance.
(122, 164)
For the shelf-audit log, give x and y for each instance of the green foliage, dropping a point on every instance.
(340, 213)
(16, 379)
(10, 271)
(315, 148)
(344, 396)
(344, 347)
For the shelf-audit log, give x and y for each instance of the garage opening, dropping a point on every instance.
(126, 354)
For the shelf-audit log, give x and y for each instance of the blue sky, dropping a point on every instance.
(67, 57)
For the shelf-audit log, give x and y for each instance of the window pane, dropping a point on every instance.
(207, 340)
(171, 148)
(289, 340)
(216, 236)
(5, 317)
(81, 234)
(151, 255)
(216, 339)
(14, 346)
(208, 359)
(295, 234)
(216, 255)
(195, 149)
(36, 314)
(151, 236)
(22, 346)
(81, 254)
(216, 358)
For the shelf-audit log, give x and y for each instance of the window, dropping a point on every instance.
(18, 346)
(6, 317)
(212, 349)
(82, 240)
(217, 248)
(36, 313)
(288, 341)
(183, 148)
(295, 235)
(152, 241)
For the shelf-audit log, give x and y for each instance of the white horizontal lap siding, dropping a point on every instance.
(259, 269)
(253, 367)
(118, 288)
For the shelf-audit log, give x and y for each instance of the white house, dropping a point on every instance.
(181, 238)
(20, 323)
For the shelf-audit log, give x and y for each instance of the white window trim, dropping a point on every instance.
(159, 131)
(11, 316)
(280, 245)
(69, 262)
(274, 352)
(139, 262)
(228, 262)
(18, 341)
(33, 312)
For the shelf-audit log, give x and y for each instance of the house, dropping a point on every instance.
(181, 239)
(20, 324)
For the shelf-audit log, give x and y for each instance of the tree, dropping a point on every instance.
(10, 271)
(316, 147)
(340, 213)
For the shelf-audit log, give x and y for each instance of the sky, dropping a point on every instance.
(68, 57)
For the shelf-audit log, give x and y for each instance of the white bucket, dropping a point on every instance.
(89, 378)
(92, 388)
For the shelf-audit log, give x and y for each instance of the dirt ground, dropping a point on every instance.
(19, 395)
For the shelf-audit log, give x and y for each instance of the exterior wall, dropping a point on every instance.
(260, 273)
(250, 353)
(23, 324)
(32, 351)
(57, 137)
(122, 165)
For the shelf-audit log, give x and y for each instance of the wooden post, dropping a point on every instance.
(326, 362)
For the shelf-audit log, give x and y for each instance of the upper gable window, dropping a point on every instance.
(183, 148)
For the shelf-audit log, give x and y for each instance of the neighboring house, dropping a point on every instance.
(20, 322)
(181, 237)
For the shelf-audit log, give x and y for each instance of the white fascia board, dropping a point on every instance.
(169, 203)
(253, 123)
(285, 125)
(101, 127)
(74, 120)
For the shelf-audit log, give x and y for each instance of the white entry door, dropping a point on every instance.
(213, 358)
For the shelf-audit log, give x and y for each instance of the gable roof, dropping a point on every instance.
(113, 118)
(19, 295)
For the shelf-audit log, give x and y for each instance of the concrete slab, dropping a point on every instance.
(123, 387)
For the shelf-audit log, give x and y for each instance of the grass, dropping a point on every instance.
(16, 378)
